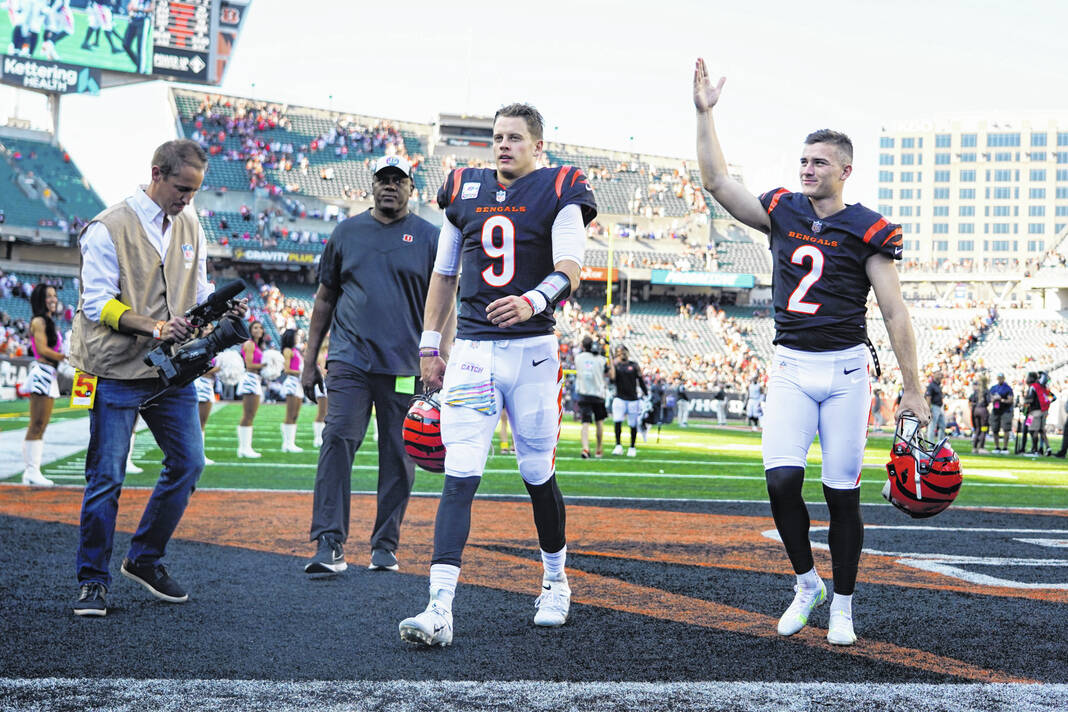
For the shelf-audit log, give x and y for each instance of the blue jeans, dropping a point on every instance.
(174, 423)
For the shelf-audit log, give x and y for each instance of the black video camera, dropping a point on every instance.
(193, 358)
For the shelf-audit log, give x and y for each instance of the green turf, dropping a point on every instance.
(15, 415)
(701, 462)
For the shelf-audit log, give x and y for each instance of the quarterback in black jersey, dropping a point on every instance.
(827, 256)
(518, 232)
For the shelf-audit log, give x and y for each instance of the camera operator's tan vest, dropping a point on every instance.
(149, 287)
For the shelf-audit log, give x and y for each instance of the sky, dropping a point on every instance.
(616, 74)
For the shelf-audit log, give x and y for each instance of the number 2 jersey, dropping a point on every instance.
(819, 284)
(507, 240)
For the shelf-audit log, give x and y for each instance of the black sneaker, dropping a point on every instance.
(91, 600)
(329, 557)
(383, 560)
(156, 580)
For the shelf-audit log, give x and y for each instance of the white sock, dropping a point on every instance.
(244, 437)
(443, 578)
(809, 579)
(318, 428)
(554, 564)
(842, 603)
(133, 439)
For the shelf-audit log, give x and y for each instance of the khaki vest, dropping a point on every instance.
(149, 287)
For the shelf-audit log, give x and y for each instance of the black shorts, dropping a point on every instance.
(591, 409)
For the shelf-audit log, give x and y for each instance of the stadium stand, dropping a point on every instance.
(71, 197)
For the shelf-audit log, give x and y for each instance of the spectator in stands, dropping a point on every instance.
(980, 402)
(934, 397)
(1001, 400)
(250, 390)
(590, 370)
(626, 405)
(373, 280)
(46, 345)
(122, 250)
(291, 389)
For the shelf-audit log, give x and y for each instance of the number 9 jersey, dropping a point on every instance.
(507, 239)
(819, 284)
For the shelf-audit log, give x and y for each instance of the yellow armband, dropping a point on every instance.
(109, 315)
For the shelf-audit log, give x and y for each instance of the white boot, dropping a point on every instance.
(131, 468)
(244, 442)
(207, 460)
(289, 438)
(318, 428)
(31, 455)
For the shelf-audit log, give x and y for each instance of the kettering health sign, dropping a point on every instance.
(703, 279)
(49, 76)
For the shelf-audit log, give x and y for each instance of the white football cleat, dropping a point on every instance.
(840, 629)
(431, 627)
(805, 601)
(553, 604)
(632, 452)
(617, 450)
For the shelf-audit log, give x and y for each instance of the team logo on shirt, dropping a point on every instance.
(408, 238)
(817, 225)
(470, 190)
(187, 252)
(501, 195)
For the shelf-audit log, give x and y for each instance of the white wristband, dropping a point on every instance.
(430, 340)
(537, 300)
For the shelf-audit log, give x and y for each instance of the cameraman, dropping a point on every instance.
(143, 266)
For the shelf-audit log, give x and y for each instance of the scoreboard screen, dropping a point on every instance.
(182, 33)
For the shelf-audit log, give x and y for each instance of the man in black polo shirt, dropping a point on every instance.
(373, 280)
(935, 399)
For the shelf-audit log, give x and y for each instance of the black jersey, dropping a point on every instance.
(819, 285)
(628, 380)
(507, 240)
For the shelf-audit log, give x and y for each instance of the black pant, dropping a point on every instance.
(351, 395)
(135, 35)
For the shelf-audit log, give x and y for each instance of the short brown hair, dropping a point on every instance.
(535, 123)
(171, 156)
(835, 138)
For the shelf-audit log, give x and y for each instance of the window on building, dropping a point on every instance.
(1061, 211)
(1037, 155)
(970, 140)
(905, 193)
(941, 176)
(1036, 245)
(1062, 174)
(940, 245)
(886, 159)
(886, 194)
(940, 228)
(967, 157)
(908, 159)
(1000, 228)
(1003, 156)
(965, 245)
(1037, 193)
(941, 193)
(1038, 138)
(1062, 156)
(886, 210)
(905, 211)
(966, 211)
(967, 176)
(967, 193)
(886, 142)
(1036, 228)
(1003, 176)
(1062, 138)
(1002, 140)
(886, 176)
(906, 176)
(941, 211)
(1000, 246)
(908, 142)
(941, 159)
(1062, 192)
(943, 140)
(1038, 175)
(1037, 211)
(966, 228)
(1002, 211)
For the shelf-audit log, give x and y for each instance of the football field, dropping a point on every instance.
(678, 580)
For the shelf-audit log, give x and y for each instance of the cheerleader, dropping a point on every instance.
(205, 386)
(291, 389)
(47, 347)
(250, 389)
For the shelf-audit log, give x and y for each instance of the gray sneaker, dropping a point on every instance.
(383, 560)
(329, 557)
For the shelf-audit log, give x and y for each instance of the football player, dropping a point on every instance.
(627, 405)
(100, 19)
(519, 233)
(827, 257)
